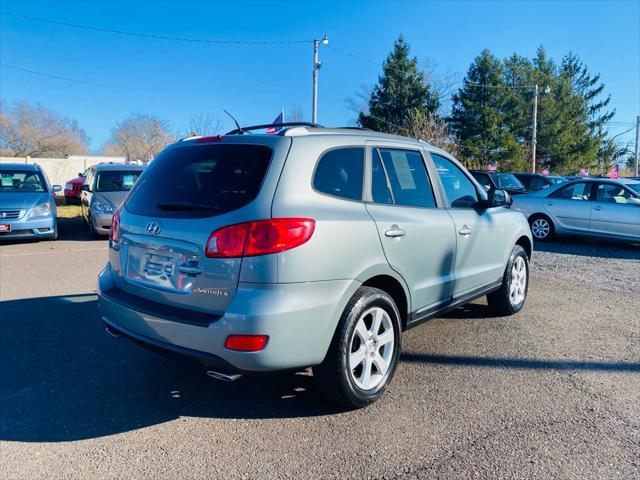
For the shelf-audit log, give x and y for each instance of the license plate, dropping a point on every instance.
(5, 227)
(156, 269)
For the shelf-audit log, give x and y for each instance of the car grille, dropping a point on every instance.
(11, 214)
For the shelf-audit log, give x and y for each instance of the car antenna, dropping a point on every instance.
(236, 122)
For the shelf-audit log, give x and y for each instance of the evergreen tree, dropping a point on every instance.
(402, 88)
(478, 116)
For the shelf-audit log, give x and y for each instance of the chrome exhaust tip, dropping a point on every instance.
(113, 332)
(224, 376)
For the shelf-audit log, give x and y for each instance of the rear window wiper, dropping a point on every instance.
(185, 206)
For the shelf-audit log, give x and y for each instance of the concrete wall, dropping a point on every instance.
(61, 170)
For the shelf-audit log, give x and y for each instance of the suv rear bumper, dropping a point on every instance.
(298, 318)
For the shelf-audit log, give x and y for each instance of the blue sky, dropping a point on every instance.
(177, 79)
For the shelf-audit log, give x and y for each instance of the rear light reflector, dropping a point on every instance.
(261, 237)
(114, 232)
(246, 343)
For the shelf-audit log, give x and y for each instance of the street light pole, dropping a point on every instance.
(316, 67)
(534, 130)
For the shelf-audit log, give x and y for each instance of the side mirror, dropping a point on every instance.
(85, 187)
(56, 188)
(498, 198)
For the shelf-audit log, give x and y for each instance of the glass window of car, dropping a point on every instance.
(21, 181)
(197, 181)
(460, 191)
(635, 187)
(538, 183)
(507, 180)
(339, 173)
(380, 192)
(483, 179)
(576, 191)
(611, 193)
(408, 177)
(116, 180)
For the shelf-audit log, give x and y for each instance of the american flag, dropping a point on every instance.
(584, 172)
(492, 167)
(279, 119)
(614, 172)
(545, 171)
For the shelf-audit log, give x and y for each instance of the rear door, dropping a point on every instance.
(480, 235)
(417, 237)
(187, 193)
(613, 213)
(570, 207)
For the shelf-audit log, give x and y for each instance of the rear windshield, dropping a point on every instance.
(116, 181)
(200, 181)
(21, 181)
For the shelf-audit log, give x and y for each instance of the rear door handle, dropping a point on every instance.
(598, 207)
(465, 230)
(190, 270)
(395, 231)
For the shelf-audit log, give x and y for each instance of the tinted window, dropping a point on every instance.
(21, 181)
(408, 178)
(200, 180)
(507, 180)
(576, 191)
(538, 183)
(483, 179)
(379, 187)
(460, 191)
(606, 192)
(116, 181)
(339, 173)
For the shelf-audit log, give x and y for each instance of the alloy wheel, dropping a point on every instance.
(518, 285)
(540, 228)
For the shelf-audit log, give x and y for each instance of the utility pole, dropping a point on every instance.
(534, 130)
(635, 160)
(316, 68)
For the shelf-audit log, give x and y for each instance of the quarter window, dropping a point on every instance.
(577, 191)
(460, 191)
(339, 173)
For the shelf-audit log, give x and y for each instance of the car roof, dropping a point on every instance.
(27, 167)
(119, 167)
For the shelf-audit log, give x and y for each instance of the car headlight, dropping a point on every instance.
(43, 210)
(100, 207)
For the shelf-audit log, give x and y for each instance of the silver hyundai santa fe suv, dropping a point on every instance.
(312, 247)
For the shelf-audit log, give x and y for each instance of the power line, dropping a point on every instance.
(125, 87)
(156, 36)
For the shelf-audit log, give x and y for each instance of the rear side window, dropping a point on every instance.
(200, 181)
(339, 173)
(576, 191)
(407, 177)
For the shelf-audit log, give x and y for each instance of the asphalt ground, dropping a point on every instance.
(553, 392)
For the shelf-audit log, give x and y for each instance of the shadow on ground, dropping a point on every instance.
(589, 248)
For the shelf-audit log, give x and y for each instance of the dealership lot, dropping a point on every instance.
(551, 392)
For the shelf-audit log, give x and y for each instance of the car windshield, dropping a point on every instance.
(506, 180)
(21, 181)
(116, 180)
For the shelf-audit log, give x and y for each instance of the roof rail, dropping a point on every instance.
(239, 131)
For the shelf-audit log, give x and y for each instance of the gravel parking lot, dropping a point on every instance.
(549, 393)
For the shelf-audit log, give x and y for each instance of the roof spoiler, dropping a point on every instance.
(240, 131)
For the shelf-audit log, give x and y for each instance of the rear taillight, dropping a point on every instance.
(246, 343)
(114, 233)
(260, 237)
(214, 138)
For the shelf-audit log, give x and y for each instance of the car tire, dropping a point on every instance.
(542, 228)
(90, 230)
(357, 370)
(510, 297)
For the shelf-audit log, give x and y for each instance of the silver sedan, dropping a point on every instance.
(594, 207)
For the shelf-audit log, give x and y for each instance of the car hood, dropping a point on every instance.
(23, 201)
(114, 198)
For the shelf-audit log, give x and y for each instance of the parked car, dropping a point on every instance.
(495, 180)
(536, 181)
(72, 189)
(591, 207)
(310, 247)
(27, 203)
(106, 186)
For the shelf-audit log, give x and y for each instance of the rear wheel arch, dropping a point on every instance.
(396, 290)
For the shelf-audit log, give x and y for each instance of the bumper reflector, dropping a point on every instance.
(246, 343)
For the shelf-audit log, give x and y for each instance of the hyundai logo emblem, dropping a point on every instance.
(153, 228)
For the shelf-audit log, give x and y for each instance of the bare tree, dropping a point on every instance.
(204, 124)
(139, 136)
(296, 114)
(36, 131)
(430, 128)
